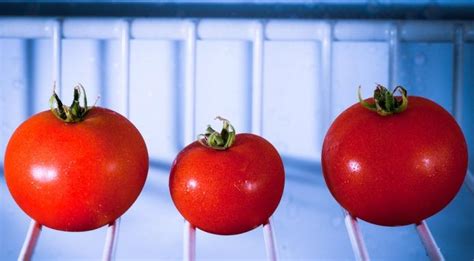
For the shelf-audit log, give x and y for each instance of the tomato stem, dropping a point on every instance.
(73, 113)
(218, 141)
(385, 102)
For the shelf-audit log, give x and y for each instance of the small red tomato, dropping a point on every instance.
(226, 187)
(398, 166)
(78, 172)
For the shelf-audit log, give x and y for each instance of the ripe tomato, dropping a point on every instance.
(226, 188)
(396, 169)
(76, 176)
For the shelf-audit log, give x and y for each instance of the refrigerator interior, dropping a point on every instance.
(285, 79)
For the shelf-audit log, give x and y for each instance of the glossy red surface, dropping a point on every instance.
(78, 176)
(231, 191)
(398, 169)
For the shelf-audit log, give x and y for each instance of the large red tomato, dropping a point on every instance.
(224, 187)
(77, 175)
(395, 169)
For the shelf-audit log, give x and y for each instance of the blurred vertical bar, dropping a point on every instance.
(355, 236)
(111, 239)
(257, 77)
(190, 84)
(125, 61)
(326, 79)
(189, 242)
(31, 239)
(393, 44)
(458, 69)
(270, 241)
(57, 53)
(29, 77)
(428, 241)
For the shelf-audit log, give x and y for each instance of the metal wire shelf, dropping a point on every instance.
(256, 32)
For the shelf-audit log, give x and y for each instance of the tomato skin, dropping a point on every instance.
(398, 169)
(228, 192)
(76, 176)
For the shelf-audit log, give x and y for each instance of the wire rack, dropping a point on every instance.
(256, 32)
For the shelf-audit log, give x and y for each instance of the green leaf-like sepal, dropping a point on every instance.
(218, 140)
(385, 102)
(73, 113)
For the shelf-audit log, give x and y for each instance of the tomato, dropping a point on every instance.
(396, 169)
(224, 187)
(77, 175)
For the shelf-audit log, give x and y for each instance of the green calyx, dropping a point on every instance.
(218, 140)
(385, 102)
(73, 113)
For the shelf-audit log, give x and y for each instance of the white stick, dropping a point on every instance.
(428, 241)
(469, 181)
(357, 241)
(270, 241)
(111, 241)
(57, 52)
(257, 80)
(125, 66)
(30, 241)
(189, 246)
(190, 84)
